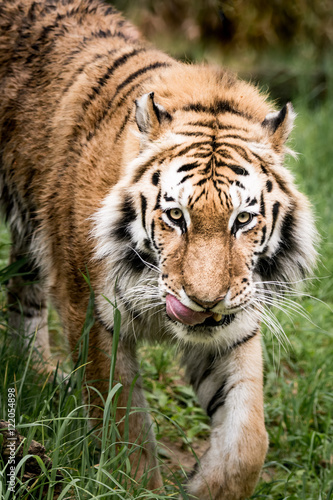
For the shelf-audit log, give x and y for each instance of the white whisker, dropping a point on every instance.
(148, 264)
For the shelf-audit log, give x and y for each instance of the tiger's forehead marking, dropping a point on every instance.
(189, 177)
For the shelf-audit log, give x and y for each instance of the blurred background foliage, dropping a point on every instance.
(241, 24)
(285, 45)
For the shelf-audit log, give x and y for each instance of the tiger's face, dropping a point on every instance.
(206, 216)
(205, 246)
(203, 225)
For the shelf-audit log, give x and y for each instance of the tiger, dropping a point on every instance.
(166, 182)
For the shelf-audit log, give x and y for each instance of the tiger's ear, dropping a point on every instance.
(279, 125)
(149, 115)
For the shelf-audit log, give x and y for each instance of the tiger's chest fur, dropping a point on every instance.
(164, 181)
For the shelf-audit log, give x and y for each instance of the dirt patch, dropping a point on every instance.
(176, 457)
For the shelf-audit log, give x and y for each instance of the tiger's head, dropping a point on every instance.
(206, 214)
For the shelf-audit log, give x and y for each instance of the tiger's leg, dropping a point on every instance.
(27, 307)
(139, 430)
(230, 389)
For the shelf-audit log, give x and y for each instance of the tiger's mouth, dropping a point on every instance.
(183, 314)
(224, 321)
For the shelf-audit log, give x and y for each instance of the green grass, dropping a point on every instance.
(298, 383)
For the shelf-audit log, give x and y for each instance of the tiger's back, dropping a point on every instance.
(65, 70)
(166, 182)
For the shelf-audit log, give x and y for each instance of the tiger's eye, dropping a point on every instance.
(175, 214)
(243, 217)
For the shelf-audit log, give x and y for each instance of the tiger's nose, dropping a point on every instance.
(206, 304)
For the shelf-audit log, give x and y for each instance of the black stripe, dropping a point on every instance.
(272, 268)
(239, 149)
(141, 170)
(233, 136)
(156, 177)
(41, 43)
(106, 111)
(202, 155)
(263, 169)
(210, 167)
(288, 243)
(102, 81)
(235, 168)
(218, 107)
(264, 229)
(188, 166)
(210, 124)
(267, 170)
(143, 210)
(225, 154)
(222, 126)
(201, 182)
(217, 400)
(240, 185)
(123, 125)
(153, 234)
(221, 394)
(158, 201)
(220, 181)
(50, 27)
(191, 134)
(275, 213)
(253, 202)
(106, 114)
(226, 201)
(105, 34)
(215, 123)
(218, 174)
(109, 11)
(269, 186)
(194, 145)
(83, 67)
(262, 205)
(84, 44)
(128, 215)
(140, 72)
(243, 340)
(168, 198)
(192, 203)
(189, 176)
(28, 311)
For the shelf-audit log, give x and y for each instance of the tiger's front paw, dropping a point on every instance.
(227, 477)
(216, 484)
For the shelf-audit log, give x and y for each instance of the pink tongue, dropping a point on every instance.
(177, 311)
